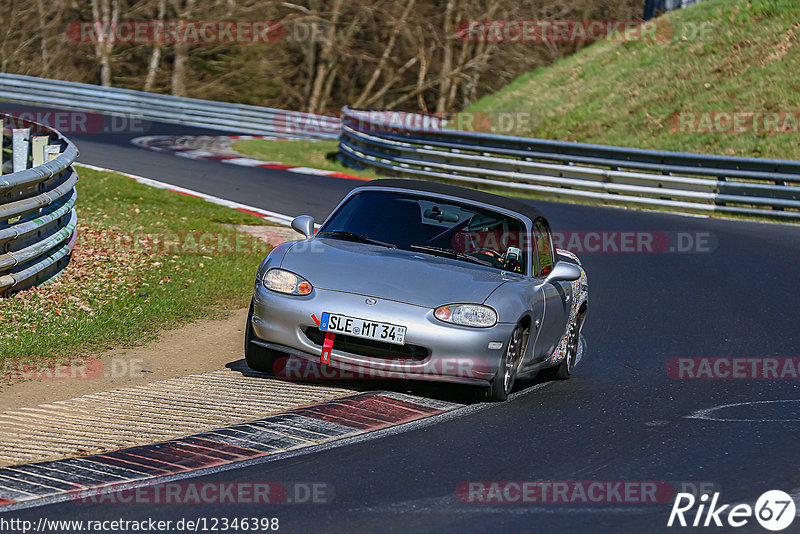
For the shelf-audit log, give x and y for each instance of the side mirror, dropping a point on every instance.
(564, 272)
(304, 224)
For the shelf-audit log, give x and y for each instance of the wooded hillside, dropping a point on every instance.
(399, 54)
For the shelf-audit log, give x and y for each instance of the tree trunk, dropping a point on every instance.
(447, 60)
(325, 59)
(155, 55)
(181, 52)
(43, 37)
(106, 14)
(6, 25)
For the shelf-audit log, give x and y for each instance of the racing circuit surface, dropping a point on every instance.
(620, 418)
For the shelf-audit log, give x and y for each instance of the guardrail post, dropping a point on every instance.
(20, 148)
(38, 143)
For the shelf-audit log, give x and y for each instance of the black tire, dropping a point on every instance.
(258, 358)
(564, 370)
(503, 382)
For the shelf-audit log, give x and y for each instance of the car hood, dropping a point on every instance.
(410, 277)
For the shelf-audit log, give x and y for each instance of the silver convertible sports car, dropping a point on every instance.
(425, 281)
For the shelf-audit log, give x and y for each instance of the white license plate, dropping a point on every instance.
(341, 324)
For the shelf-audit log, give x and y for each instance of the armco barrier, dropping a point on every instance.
(687, 182)
(240, 118)
(37, 203)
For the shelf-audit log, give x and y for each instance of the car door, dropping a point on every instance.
(555, 296)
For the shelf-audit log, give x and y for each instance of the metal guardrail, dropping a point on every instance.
(559, 170)
(574, 171)
(37, 203)
(253, 120)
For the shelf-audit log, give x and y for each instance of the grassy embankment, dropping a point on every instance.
(146, 259)
(725, 55)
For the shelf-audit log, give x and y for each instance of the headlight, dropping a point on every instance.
(286, 282)
(467, 315)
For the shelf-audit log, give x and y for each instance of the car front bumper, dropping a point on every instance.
(452, 353)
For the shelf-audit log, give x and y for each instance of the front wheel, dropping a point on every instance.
(503, 381)
(258, 358)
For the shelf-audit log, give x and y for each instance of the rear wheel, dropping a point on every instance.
(258, 358)
(564, 370)
(503, 382)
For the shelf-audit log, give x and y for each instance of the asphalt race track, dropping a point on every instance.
(620, 418)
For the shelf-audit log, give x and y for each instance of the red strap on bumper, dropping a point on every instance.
(327, 347)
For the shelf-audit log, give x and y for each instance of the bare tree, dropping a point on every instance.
(400, 54)
(155, 55)
(326, 57)
(184, 9)
(106, 16)
(446, 77)
(387, 52)
(6, 26)
(42, 33)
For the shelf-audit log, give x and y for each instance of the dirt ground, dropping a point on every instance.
(194, 348)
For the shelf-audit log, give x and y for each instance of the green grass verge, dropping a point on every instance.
(146, 260)
(300, 153)
(744, 57)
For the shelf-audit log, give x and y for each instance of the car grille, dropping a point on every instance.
(369, 348)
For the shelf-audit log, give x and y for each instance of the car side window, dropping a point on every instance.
(544, 248)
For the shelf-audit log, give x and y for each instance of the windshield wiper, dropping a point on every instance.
(352, 236)
(439, 251)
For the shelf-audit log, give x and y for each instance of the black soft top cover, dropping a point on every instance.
(512, 204)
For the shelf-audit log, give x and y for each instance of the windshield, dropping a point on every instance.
(430, 226)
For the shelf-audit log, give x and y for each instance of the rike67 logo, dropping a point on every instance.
(774, 510)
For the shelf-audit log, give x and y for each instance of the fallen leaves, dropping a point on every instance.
(100, 267)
